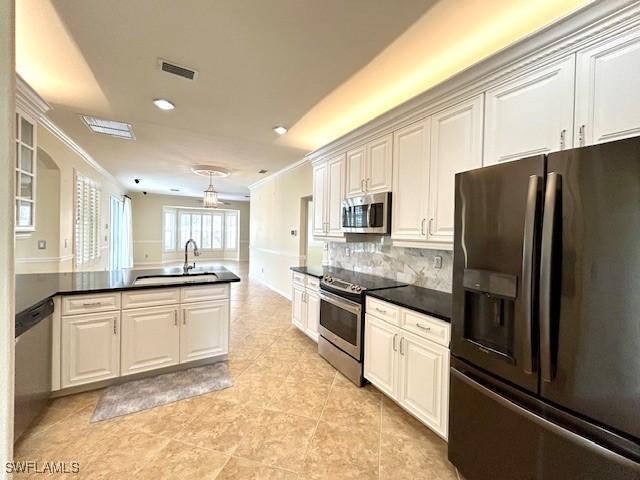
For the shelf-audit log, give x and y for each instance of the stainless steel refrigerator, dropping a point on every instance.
(545, 375)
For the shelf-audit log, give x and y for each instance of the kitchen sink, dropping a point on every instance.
(175, 279)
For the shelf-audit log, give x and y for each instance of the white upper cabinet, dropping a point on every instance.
(456, 146)
(335, 195)
(530, 115)
(411, 181)
(319, 198)
(608, 90)
(369, 167)
(356, 169)
(379, 165)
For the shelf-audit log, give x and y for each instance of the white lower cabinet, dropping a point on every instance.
(305, 305)
(411, 369)
(204, 331)
(150, 338)
(90, 348)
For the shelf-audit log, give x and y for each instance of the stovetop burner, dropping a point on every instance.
(352, 285)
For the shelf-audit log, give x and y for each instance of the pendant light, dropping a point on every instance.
(210, 199)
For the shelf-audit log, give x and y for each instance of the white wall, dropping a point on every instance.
(275, 211)
(7, 149)
(147, 229)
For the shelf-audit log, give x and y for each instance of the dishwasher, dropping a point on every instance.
(32, 364)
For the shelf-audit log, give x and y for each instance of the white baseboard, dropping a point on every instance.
(271, 287)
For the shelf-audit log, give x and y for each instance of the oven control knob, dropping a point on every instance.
(358, 288)
(353, 287)
(328, 279)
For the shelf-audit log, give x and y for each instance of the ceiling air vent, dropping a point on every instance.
(108, 127)
(263, 171)
(178, 70)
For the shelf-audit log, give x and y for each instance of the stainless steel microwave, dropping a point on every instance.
(367, 214)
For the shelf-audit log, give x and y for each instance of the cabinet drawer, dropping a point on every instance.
(204, 292)
(151, 297)
(299, 279)
(426, 327)
(96, 302)
(383, 310)
(313, 284)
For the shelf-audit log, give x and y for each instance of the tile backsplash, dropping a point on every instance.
(409, 265)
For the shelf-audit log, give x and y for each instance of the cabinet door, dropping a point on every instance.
(456, 146)
(379, 164)
(90, 348)
(410, 181)
(424, 381)
(150, 338)
(313, 314)
(380, 357)
(530, 115)
(335, 195)
(319, 199)
(204, 331)
(355, 171)
(607, 93)
(298, 313)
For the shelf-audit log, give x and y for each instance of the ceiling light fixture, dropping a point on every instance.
(210, 199)
(280, 130)
(163, 104)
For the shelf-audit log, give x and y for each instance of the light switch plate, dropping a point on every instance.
(42, 244)
(437, 261)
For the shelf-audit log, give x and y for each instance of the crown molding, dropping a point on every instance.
(77, 149)
(564, 37)
(28, 100)
(294, 165)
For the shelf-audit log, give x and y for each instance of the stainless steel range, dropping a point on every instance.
(342, 309)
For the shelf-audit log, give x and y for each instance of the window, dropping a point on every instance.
(87, 235)
(211, 230)
(25, 174)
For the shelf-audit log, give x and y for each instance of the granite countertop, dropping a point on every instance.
(423, 300)
(32, 289)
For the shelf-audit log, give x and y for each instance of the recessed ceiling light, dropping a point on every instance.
(280, 130)
(163, 104)
(174, 190)
(108, 127)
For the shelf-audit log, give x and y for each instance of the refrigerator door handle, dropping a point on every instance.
(528, 246)
(546, 273)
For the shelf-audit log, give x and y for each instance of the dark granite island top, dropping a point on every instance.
(423, 300)
(33, 289)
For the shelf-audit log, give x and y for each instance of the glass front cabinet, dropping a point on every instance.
(25, 130)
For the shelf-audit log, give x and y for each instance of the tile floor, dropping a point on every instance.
(290, 415)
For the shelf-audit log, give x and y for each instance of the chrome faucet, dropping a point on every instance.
(196, 252)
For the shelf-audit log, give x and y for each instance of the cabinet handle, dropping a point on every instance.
(581, 138)
(429, 227)
(563, 138)
(423, 327)
(395, 336)
(381, 310)
(115, 326)
(362, 185)
(422, 226)
(92, 304)
(175, 318)
(401, 350)
(184, 318)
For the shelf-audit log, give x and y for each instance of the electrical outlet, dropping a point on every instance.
(42, 244)
(437, 261)
(294, 233)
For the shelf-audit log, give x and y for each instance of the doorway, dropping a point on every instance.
(312, 249)
(116, 208)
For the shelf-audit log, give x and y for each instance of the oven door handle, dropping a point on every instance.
(352, 307)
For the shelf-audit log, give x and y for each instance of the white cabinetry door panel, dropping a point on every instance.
(379, 166)
(313, 314)
(298, 311)
(530, 115)
(410, 181)
(380, 358)
(335, 195)
(319, 199)
(150, 338)
(90, 348)
(456, 146)
(355, 170)
(608, 90)
(423, 388)
(204, 331)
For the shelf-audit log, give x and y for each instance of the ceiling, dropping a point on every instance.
(260, 64)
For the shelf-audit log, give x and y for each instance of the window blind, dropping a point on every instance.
(87, 235)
